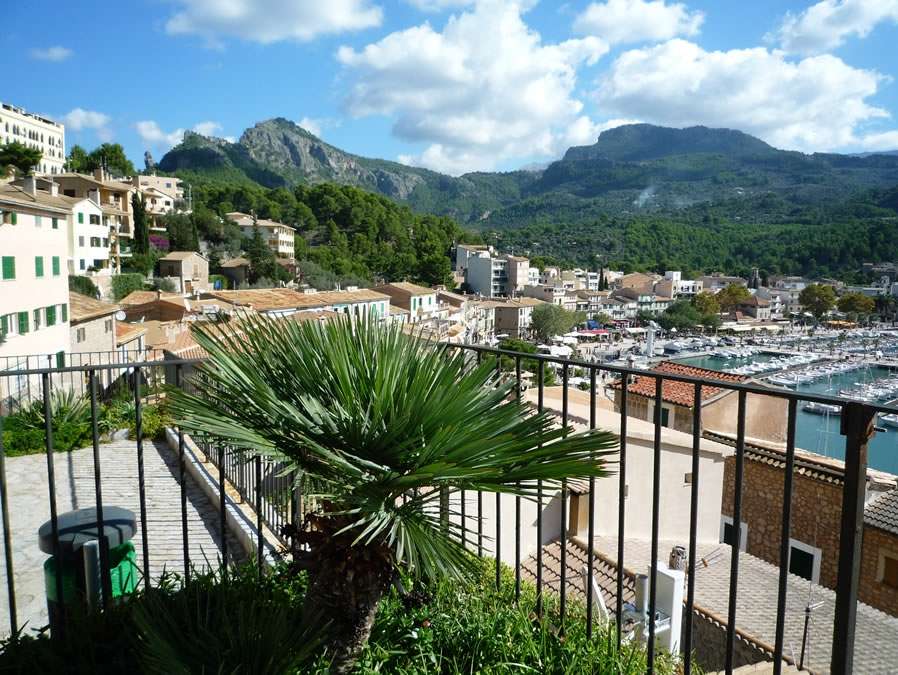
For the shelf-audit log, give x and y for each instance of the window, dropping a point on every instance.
(82, 264)
(94, 219)
(51, 315)
(726, 532)
(56, 223)
(10, 218)
(80, 335)
(55, 265)
(665, 417)
(888, 565)
(80, 218)
(68, 193)
(4, 325)
(36, 318)
(81, 240)
(687, 478)
(23, 323)
(65, 312)
(95, 242)
(7, 267)
(804, 560)
(38, 266)
(108, 325)
(60, 359)
(38, 221)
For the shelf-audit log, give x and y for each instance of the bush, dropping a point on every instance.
(24, 432)
(124, 284)
(84, 286)
(163, 284)
(154, 419)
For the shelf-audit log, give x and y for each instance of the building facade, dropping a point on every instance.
(40, 133)
(279, 237)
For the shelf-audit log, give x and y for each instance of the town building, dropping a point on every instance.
(674, 286)
(553, 294)
(518, 272)
(480, 321)
(93, 324)
(419, 301)
(236, 270)
(37, 132)
(88, 237)
(645, 299)
(718, 281)
(279, 237)
(779, 301)
(188, 269)
(34, 286)
(161, 195)
(464, 252)
(488, 276)
(514, 316)
(817, 486)
(282, 302)
(765, 415)
(755, 307)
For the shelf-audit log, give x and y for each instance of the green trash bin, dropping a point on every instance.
(78, 553)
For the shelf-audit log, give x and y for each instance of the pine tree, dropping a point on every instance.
(141, 228)
(261, 258)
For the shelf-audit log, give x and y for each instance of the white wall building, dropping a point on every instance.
(280, 237)
(34, 287)
(88, 237)
(488, 276)
(40, 133)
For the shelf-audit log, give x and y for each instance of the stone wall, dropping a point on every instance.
(816, 521)
(709, 636)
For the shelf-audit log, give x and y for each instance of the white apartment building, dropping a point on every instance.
(36, 132)
(675, 286)
(464, 252)
(488, 276)
(34, 287)
(518, 271)
(553, 294)
(88, 237)
(548, 275)
(161, 195)
(280, 237)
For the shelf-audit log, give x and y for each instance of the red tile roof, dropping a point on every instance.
(681, 393)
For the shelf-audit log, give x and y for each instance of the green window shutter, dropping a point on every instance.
(38, 266)
(55, 265)
(65, 313)
(4, 324)
(14, 218)
(51, 315)
(56, 223)
(23, 323)
(60, 359)
(9, 267)
(81, 218)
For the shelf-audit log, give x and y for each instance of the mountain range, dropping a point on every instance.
(629, 169)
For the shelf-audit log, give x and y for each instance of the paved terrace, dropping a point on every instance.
(29, 508)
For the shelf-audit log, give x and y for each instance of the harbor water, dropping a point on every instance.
(820, 433)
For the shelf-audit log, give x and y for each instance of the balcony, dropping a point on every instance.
(592, 554)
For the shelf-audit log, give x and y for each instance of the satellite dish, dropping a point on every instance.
(120, 316)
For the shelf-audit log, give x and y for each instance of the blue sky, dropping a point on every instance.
(457, 85)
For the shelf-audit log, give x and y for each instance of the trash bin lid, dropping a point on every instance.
(80, 526)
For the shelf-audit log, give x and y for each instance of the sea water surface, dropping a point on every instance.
(820, 433)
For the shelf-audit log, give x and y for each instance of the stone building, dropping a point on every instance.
(765, 415)
(815, 522)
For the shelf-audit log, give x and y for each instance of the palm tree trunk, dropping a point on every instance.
(345, 589)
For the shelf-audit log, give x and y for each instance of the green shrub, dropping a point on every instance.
(124, 284)
(154, 419)
(84, 286)
(24, 432)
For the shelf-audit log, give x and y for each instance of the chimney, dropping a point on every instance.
(29, 185)
(99, 174)
(94, 195)
(54, 188)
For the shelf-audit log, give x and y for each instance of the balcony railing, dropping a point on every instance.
(277, 501)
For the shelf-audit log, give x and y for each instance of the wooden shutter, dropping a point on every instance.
(38, 266)
(55, 265)
(9, 267)
(23, 323)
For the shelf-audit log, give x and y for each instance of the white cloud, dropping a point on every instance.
(482, 90)
(886, 140)
(79, 119)
(439, 5)
(152, 134)
(55, 54)
(827, 24)
(312, 125)
(622, 21)
(583, 131)
(231, 139)
(816, 103)
(268, 21)
(208, 128)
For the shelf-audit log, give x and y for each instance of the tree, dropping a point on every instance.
(124, 284)
(604, 319)
(78, 160)
(358, 410)
(818, 299)
(731, 296)
(549, 320)
(182, 232)
(112, 156)
(84, 286)
(141, 244)
(20, 156)
(706, 303)
(856, 304)
(261, 258)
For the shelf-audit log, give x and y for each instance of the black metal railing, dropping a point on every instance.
(262, 484)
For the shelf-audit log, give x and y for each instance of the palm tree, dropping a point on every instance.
(382, 427)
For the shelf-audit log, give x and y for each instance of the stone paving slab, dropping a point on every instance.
(29, 508)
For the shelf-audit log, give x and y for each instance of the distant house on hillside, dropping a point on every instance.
(189, 268)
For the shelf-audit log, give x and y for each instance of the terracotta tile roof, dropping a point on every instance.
(177, 256)
(141, 297)
(84, 308)
(265, 299)
(405, 288)
(680, 393)
(126, 332)
(236, 262)
(883, 512)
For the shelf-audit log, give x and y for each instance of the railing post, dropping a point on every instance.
(857, 427)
